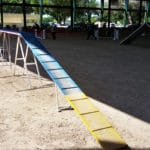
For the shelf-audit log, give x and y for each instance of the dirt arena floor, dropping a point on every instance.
(115, 77)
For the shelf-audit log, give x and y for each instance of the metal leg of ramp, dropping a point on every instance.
(5, 49)
(60, 108)
(23, 58)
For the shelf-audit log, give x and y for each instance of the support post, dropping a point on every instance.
(140, 12)
(147, 5)
(109, 12)
(19, 45)
(126, 12)
(24, 57)
(72, 13)
(57, 100)
(1, 11)
(41, 12)
(102, 9)
(5, 50)
(24, 13)
(32, 63)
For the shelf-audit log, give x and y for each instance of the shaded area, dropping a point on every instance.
(143, 29)
(120, 74)
(50, 64)
(96, 149)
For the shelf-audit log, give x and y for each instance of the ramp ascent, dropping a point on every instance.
(135, 34)
(93, 119)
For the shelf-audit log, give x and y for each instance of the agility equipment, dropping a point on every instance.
(92, 118)
(136, 33)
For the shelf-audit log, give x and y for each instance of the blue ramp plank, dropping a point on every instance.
(71, 91)
(51, 66)
(40, 52)
(57, 74)
(45, 58)
(32, 41)
(66, 83)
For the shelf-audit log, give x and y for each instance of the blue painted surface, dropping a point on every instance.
(49, 63)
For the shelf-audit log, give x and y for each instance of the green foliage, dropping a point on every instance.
(12, 1)
(93, 19)
(48, 19)
(81, 15)
(116, 16)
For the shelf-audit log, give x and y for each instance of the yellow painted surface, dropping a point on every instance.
(79, 105)
(96, 122)
(110, 139)
(75, 96)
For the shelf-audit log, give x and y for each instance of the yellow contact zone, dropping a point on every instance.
(95, 121)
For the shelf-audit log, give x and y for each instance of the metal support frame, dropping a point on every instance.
(72, 9)
(57, 100)
(5, 53)
(41, 12)
(1, 15)
(42, 34)
(140, 12)
(24, 13)
(109, 13)
(126, 12)
(23, 58)
(73, 3)
(147, 5)
(60, 108)
(102, 9)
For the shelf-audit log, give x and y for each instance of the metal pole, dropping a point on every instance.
(102, 8)
(126, 12)
(109, 12)
(24, 61)
(8, 48)
(16, 54)
(41, 12)
(140, 12)
(89, 13)
(147, 5)
(24, 14)
(56, 92)
(1, 11)
(73, 2)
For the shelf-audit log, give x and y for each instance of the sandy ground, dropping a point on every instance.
(115, 77)
(29, 118)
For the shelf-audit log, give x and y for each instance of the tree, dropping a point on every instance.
(12, 9)
(59, 13)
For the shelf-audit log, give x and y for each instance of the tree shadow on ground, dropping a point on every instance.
(113, 74)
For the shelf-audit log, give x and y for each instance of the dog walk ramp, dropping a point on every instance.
(93, 119)
(135, 33)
